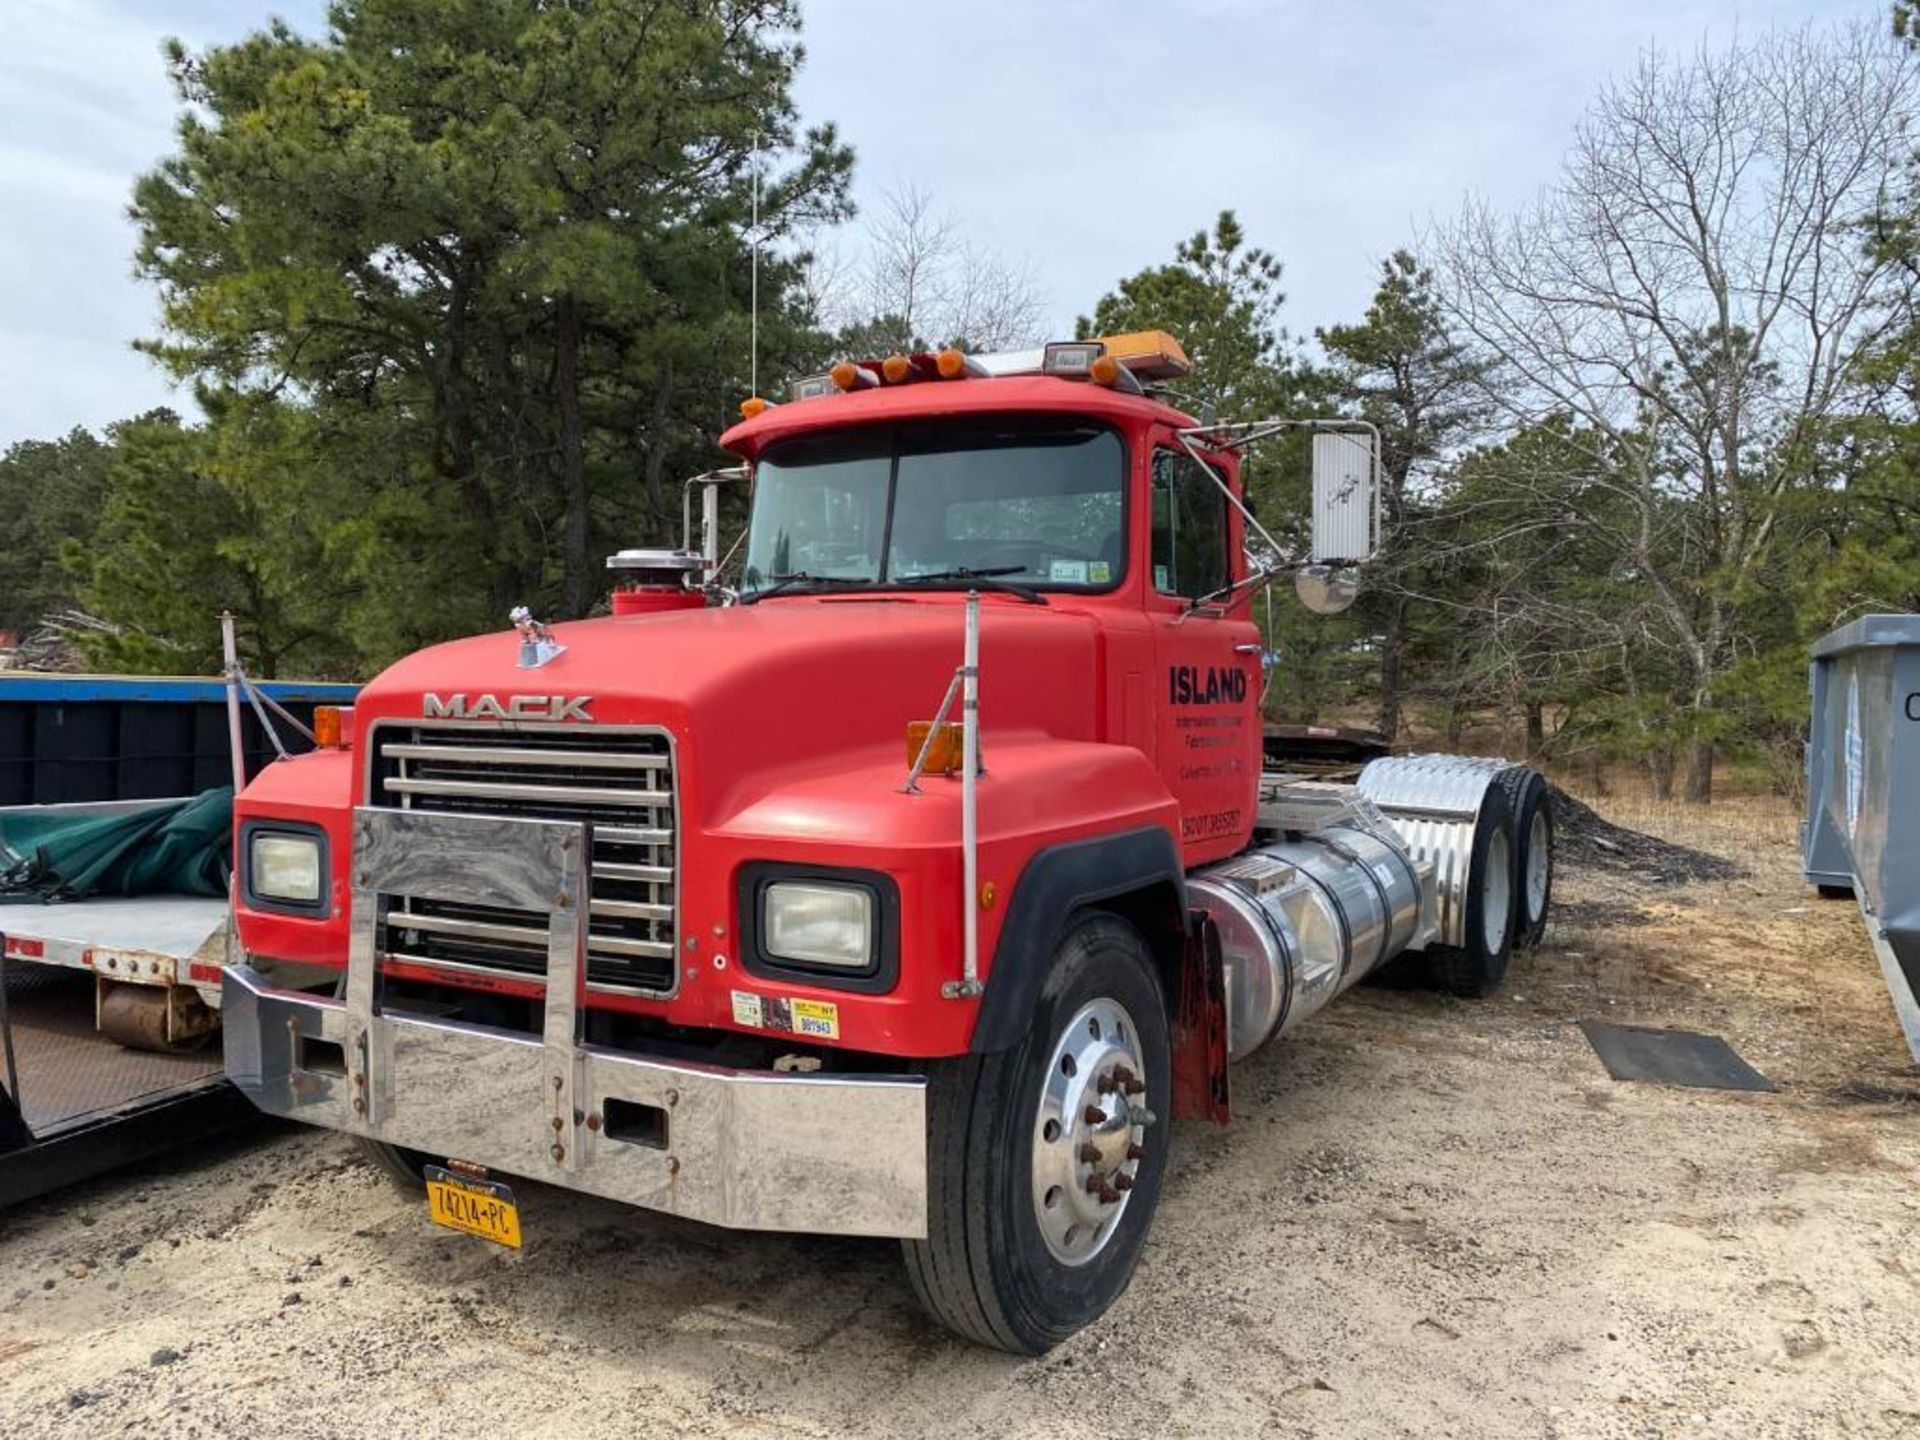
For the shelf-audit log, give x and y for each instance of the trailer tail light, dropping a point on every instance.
(333, 727)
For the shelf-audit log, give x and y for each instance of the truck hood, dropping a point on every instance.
(754, 693)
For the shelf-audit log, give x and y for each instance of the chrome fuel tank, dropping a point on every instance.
(1300, 920)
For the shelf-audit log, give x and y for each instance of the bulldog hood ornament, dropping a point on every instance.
(537, 645)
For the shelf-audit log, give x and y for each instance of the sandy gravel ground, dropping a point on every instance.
(1430, 1218)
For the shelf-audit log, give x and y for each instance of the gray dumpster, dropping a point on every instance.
(1862, 831)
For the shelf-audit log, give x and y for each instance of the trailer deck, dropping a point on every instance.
(73, 1101)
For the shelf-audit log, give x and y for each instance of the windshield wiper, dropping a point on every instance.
(796, 580)
(985, 577)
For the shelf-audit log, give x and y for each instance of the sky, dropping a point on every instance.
(1080, 139)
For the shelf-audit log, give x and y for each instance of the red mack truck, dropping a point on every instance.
(907, 886)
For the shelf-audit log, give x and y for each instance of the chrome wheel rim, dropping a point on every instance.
(1089, 1132)
(1496, 900)
(1539, 866)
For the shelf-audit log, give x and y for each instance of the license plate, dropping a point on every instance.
(477, 1207)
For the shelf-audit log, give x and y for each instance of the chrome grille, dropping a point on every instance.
(620, 782)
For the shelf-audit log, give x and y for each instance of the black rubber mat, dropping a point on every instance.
(1671, 1057)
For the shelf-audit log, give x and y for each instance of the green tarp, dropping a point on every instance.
(180, 848)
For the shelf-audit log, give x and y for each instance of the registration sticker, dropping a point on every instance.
(1068, 572)
(819, 1018)
(816, 1019)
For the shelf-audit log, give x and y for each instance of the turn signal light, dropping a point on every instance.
(943, 755)
(333, 727)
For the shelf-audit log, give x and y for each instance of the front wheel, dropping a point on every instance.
(1046, 1159)
(406, 1170)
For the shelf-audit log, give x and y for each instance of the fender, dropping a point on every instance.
(1056, 881)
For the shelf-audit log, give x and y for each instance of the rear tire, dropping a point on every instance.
(1532, 808)
(1020, 1253)
(1480, 965)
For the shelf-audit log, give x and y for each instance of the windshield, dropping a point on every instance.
(1037, 503)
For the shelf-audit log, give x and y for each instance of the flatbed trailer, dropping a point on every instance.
(109, 1006)
(74, 1102)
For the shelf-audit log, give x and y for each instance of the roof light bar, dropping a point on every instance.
(1071, 359)
(849, 376)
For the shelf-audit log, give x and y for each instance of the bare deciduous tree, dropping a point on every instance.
(917, 281)
(1693, 293)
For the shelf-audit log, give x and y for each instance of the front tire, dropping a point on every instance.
(406, 1170)
(1046, 1159)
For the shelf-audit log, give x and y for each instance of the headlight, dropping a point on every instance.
(816, 924)
(285, 868)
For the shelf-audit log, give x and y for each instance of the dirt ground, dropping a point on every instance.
(1430, 1217)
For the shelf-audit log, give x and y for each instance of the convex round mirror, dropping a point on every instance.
(1327, 589)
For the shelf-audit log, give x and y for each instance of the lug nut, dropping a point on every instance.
(1094, 1115)
(1108, 1085)
(1095, 1184)
(1136, 1087)
(1090, 1153)
(1123, 1182)
(1136, 1152)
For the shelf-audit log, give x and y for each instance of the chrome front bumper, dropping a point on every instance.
(752, 1149)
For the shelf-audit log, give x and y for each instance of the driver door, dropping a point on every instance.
(1208, 742)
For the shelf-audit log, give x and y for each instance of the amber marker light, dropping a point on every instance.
(896, 368)
(752, 407)
(333, 726)
(951, 364)
(1105, 370)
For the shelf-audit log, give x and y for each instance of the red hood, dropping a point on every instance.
(790, 686)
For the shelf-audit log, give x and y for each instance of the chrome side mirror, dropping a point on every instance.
(1346, 497)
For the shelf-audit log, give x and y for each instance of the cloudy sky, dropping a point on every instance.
(1082, 138)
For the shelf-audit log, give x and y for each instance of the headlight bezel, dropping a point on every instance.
(253, 831)
(882, 970)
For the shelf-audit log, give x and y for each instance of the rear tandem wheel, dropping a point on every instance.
(1478, 966)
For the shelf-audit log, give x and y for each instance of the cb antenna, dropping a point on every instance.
(753, 291)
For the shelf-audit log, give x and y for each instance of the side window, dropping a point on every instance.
(1189, 528)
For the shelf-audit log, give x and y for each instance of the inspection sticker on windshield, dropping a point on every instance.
(1068, 572)
(818, 1019)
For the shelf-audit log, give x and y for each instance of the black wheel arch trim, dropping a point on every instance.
(1055, 882)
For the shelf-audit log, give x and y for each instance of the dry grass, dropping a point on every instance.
(1786, 977)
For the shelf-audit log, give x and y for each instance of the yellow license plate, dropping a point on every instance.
(477, 1207)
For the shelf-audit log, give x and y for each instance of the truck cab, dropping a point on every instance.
(883, 890)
